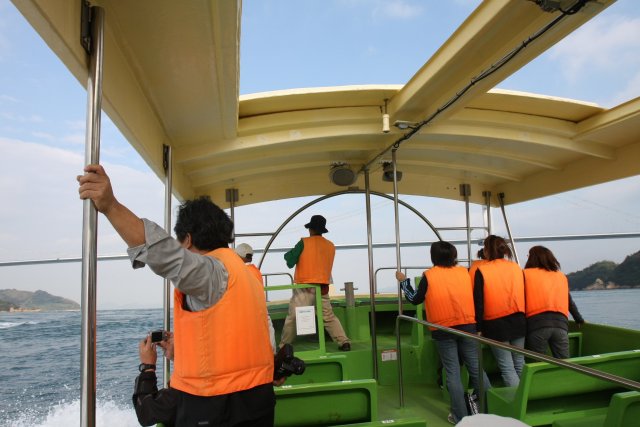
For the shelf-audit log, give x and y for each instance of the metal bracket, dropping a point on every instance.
(85, 26)
(465, 190)
(231, 192)
(165, 157)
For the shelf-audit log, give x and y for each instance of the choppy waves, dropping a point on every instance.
(7, 325)
(108, 413)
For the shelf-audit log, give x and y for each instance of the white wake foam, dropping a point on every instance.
(68, 414)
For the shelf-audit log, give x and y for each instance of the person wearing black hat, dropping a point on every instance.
(313, 257)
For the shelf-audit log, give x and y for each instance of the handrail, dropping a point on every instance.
(625, 382)
(266, 280)
(558, 238)
(375, 275)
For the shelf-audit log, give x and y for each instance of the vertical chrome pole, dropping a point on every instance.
(166, 300)
(398, 264)
(232, 198)
(372, 294)
(90, 228)
(397, 222)
(487, 202)
(506, 223)
(465, 191)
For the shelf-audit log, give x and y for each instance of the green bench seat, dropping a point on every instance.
(321, 369)
(327, 404)
(549, 393)
(623, 411)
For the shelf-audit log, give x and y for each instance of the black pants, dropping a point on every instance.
(249, 408)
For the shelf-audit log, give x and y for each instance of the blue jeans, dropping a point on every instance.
(448, 350)
(510, 364)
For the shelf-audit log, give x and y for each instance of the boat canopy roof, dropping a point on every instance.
(171, 76)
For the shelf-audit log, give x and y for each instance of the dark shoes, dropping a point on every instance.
(345, 347)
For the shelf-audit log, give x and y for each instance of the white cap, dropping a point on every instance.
(243, 249)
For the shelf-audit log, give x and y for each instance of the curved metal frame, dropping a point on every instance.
(340, 193)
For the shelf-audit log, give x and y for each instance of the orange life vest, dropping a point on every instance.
(503, 288)
(316, 261)
(474, 267)
(546, 291)
(226, 347)
(256, 272)
(449, 299)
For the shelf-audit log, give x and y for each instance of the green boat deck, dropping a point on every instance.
(338, 388)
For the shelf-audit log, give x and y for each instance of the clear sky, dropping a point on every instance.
(290, 44)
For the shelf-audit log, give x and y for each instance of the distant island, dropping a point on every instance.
(15, 300)
(607, 275)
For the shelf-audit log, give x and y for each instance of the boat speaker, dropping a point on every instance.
(342, 175)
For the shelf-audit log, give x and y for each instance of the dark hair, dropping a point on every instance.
(496, 248)
(444, 254)
(480, 254)
(541, 257)
(210, 227)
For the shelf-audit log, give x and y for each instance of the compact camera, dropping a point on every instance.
(158, 336)
(286, 364)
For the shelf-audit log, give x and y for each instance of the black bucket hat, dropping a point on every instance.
(317, 223)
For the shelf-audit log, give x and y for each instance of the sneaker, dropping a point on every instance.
(472, 403)
(345, 347)
(450, 418)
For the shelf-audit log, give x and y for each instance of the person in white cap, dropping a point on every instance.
(245, 252)
(313, 257)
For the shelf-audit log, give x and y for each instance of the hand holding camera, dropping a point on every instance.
(286, 364)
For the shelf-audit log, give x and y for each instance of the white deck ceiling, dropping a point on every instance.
(171, 76)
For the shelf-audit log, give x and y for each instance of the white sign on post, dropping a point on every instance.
(306, 320)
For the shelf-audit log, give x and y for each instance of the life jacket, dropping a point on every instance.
(546, 291)
(316, 261)
(503, 288)
(449, 299)
(224, 348)
(474, 267)
(256, 272)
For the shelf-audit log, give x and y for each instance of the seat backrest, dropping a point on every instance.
(543, 380)
(317, 404)
(624, 410)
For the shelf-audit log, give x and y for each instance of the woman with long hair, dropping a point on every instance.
(548, 304)
(500, 308)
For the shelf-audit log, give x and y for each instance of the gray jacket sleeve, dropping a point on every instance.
(202, 278)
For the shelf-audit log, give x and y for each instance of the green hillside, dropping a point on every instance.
(35, 300)
(608, 275)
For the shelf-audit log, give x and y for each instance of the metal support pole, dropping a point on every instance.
(487, 202)
(372, 286)
(397, 222)
(232, 197)
(465, 191)
(90, 226)
(506, 223)
(166, 300)
(398, 264)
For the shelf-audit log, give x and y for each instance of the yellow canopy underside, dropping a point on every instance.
(171, 77)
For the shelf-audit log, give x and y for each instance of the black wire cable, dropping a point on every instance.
(484, 74)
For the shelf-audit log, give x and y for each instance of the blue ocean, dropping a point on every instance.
(40, 358)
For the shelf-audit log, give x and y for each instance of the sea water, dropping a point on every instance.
(40, 359)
